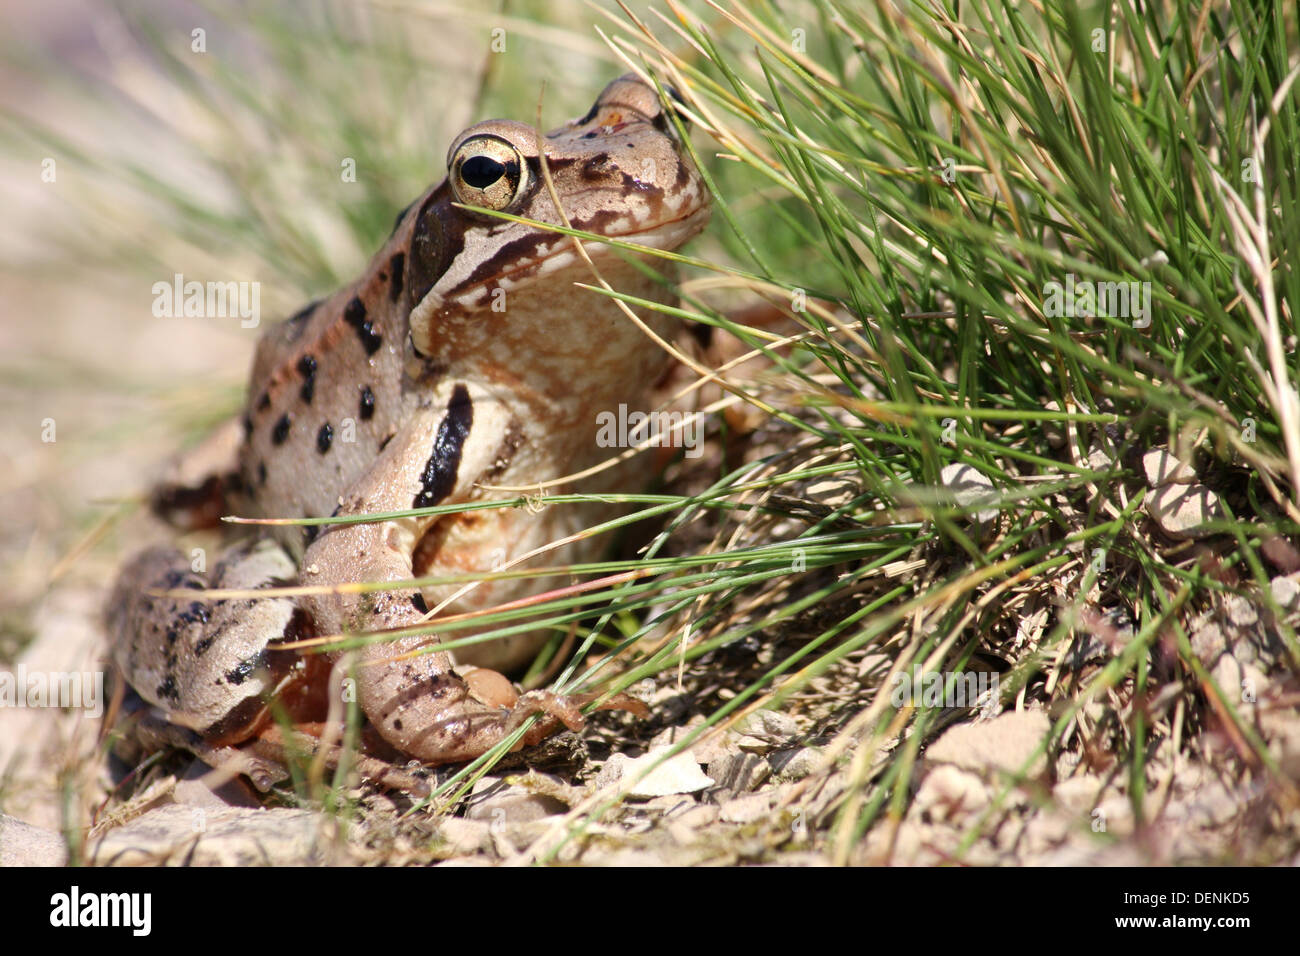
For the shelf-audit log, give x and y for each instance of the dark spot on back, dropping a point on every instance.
(417, 602)
(281, 430)
(261, 472)
(196, 613)
(439, 686)
(307, 369)
(367, 403)
(167, 689)
(355, 315)
(243, 670)
(264, 402)
(324, 438)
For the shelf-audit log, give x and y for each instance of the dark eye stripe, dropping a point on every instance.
(523, 247)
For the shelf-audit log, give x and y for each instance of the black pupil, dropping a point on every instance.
(481, 171)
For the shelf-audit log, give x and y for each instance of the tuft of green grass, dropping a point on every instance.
(939, 175)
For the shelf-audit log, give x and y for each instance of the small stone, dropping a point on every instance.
(970, 488)
(461, 837)
(22, 844)
(1099, 459)
(796, 763)
(1242, 683)
(230, 836)
(1076, 795)
(1286, 592)
(740, 772)
(746, 809)
(762, 730)
(678, 774)
(197, 789)
(1284, 742)
(1238, 629)
(1162, 468)
(1002, 744)
(1280, 553)
(496, 801)
(696, 816)
(950, 793)
(1183, 510)
(833, 492)
(1241, 613)
(1114, 816)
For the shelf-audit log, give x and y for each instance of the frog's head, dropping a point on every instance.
(619, 172)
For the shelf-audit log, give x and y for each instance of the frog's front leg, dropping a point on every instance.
(408, 691)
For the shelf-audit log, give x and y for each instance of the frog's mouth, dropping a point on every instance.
(535, 254)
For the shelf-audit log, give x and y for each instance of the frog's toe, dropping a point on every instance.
(566, 709)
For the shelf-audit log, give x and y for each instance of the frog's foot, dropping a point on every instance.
(471, 722)
(493, 688)
(305, 740)
(152, 732)
(265, 758)
(557, 709)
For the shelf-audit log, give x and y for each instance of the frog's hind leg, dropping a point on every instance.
(209, 665)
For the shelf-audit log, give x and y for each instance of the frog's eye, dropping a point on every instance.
(489, 172)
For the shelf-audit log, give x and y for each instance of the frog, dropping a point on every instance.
(463, 361)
